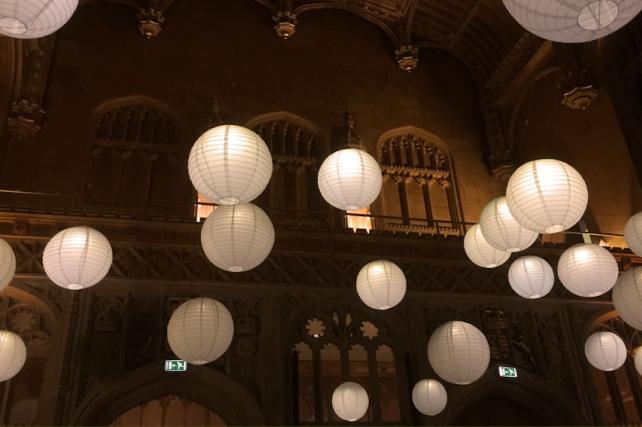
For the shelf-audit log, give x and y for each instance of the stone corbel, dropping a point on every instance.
(577, 84)
(501, 158)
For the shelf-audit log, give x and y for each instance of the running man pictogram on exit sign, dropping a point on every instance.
(507, 372)
(175, 365)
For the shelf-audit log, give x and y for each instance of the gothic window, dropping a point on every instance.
(341, 344)
(133, 159)
(295, 144)
(619, 393)
(168, 410)
(418, 183)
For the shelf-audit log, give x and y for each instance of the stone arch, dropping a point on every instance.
(200, 384)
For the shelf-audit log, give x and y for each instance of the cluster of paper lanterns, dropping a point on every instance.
(30, 19)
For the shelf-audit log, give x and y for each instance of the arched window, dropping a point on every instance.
(297, 148)
(168, 410)
(619, 393)
(341, 344)
(419, 183)
(134, 154)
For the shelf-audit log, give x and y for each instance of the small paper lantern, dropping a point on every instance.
(350, 179)
(77, 258)
(500, 229)
(458, 352)
(546, 196)
(13, 355)
(480, 252)
(633, 233)
(531, 277)
(350, 401)
(7, 264)
(200, 330)
(573, 21)
(638, 360)
(31, 19)
(229, 165)
(605, 351)
(238, 237)
(627, 297)
(429, 397)
(381, 284)
(587, 270)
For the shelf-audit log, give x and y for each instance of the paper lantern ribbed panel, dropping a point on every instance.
(638, 360)
(77, 258)
(381, 284)
(350, 401)
(480, 252)
(531, 277)
(7, 264)
(587, 270)
(200, 330)
(573, 21)
(627, 297)
(237, 237)
(350, 179)
(501, 230)
(633, 233)
(458, 352)
(13, 355)
(230, 164)
(546, 196)
(429, 397)
(31, 19)
(605, 351)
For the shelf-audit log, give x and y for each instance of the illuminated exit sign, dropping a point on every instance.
(175, 365)
(507, 372)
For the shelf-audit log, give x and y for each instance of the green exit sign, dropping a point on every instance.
(175, 365)
(507, 372)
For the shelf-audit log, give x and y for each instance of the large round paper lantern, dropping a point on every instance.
(605, 351)
(429, 397)
(633, 233)
(546, 196)
(350, 179)
(531, 277)
(200, 330)
(587, 270)
(237, 237)
(7, 264)
(458, 352)
(638, 360)
(13, 355)
(627, 297)
(350, 401)
(500, 229)
(573, 21)
(77, 258)
(229, 165)
(480, 252)
(381, 284)
(30, 19)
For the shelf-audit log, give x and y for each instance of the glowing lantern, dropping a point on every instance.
(605, 351)
(31, 19)
(381, 284)
(531, 277)
(350, 401)
(627, 297)
(587, 270)
(429, 397)
(13, 355)
(500, 229)
(7, 264)
(480, 252)
(633, 233)
(638, 360)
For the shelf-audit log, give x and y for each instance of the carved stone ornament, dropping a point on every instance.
(285, 24)
(25, 119)
(580, 97)
(150, 22)
(407, 57)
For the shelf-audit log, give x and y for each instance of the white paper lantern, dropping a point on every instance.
(627, 297)
(381, 284)
(350, 179)
(238, 237)
(229, 165)
(200, 330)
(605, 351)
(429, 397)
(13, 355)
(30, 19)
(500, 229)
(633, 233)
(7, 264)
(546, 196)
(638, 360)
(458, 352)
(531, 277)
(587, 270)
(77, 258)
(350, 401)
(573, 21)
(480, 252)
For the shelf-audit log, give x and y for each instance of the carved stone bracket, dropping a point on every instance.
(577, 83)
(285, 24)
(407, 57)
(150, 21)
